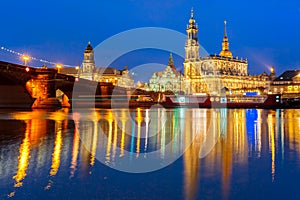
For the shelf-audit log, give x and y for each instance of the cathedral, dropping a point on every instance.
(217, 74)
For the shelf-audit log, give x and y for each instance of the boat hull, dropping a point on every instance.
(267, 101)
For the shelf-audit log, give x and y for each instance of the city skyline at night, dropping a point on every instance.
(264, 32)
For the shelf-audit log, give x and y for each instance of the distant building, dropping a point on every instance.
(122, 78)
(287, 83)
(168, 80)
(216, 73)
(126, 80)
(71, 71)
(88, 64)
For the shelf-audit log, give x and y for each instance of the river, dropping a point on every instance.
(150, 154)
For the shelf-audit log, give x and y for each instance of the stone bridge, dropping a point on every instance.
(24, 86)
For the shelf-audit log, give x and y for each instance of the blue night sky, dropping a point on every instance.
(265, 32)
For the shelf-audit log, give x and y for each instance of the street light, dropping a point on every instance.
(26, 59)
(58, 66)
(77, 69)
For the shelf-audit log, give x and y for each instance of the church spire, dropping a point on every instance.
(171, 61)
(225, 44)
(192, 21)
(192, 44)
(225, 31)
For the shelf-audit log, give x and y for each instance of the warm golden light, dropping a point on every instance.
(272, 70)
(75, 150)
(58, 66)
(26, 59)
(23, 160)
(57, 151)
(123, 138)
(109, 138)
(272, 143)
(94, 143)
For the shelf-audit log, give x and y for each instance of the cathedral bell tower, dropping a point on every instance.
(192, 45)
(88, 64)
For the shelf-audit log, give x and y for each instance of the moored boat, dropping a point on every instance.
(231, 101)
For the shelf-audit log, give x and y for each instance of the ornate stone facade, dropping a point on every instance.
(169, 80)
(216, 73)
(88, 64)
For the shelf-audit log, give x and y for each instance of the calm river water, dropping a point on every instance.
(150, 154)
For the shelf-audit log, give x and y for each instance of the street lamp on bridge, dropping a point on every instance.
(58, 66)
(26, 59)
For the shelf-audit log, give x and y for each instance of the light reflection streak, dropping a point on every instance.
(147, 121)
(57, 151)
(258, 138)
(139, 120)
(23, 158)
(122, 143)
(123, 138)
(163, 134)
(272, 144)
(94, 143)
(115, 137)
(109, 140)
(282, 133)
(75, 148)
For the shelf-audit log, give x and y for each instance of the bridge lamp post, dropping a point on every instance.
(77, 69)
(26, 59)
(58, 66)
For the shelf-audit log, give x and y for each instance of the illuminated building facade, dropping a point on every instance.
(287, 83)
(122, 78)
(126, 79)
(213, 74)
(168, 80)
(88, 64)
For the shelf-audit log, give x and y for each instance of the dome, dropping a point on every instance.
(88, 48)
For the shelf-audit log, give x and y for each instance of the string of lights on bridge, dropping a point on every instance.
(26, 58)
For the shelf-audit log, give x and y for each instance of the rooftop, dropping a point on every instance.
(288, 75)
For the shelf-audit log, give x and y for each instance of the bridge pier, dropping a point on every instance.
(42, 89)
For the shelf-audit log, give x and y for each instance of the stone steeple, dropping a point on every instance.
(192, 45)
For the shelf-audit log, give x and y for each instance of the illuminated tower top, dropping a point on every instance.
(89, 48)
(88, 64)
(192, 45)
(225, 44)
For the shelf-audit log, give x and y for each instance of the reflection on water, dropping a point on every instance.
(46, 148)
(23, 160)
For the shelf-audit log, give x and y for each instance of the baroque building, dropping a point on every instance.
(169, 80)
(288, 83)
(88, 64)
(122, 78)
(215, 74)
